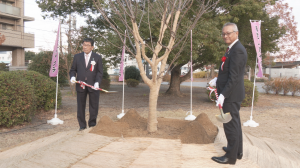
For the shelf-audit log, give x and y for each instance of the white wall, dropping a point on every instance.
(284, 72)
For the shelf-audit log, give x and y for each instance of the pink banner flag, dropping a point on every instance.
(121, 73)
(256, 32)
(55, 58)
(191, 58)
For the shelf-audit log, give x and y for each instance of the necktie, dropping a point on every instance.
(227, 49)
(86, 60)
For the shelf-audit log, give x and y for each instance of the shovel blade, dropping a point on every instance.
(225, 118)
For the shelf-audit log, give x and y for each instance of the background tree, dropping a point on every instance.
(288, 44)
(29, 55)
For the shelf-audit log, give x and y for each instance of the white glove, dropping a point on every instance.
(213, 82)
(73, 80)
(220, 100)
(96, 86)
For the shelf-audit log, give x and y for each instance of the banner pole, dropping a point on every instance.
(55, 120)
(251, 122)
(191, 116)
(123, 71)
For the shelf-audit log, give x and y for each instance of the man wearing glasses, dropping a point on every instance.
(231, 91)
(88, 68)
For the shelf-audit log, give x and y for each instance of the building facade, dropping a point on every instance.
(12, 27)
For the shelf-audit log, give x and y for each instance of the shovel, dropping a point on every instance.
(223, 118)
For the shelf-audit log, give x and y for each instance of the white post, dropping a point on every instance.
(191, 116)
(124, 64)
(122, 113)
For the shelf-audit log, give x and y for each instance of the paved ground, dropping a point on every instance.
(86, 150)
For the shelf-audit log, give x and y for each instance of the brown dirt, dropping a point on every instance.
(200, 131)
(278, 116)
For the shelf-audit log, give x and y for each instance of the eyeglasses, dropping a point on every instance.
(227, 34)
(86, 45)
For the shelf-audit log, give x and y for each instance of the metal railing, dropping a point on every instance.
(9, 9)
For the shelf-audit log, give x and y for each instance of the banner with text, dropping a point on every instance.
(121, 73)
(55, 58)
(256, 32)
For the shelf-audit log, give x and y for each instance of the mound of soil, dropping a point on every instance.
(199, 131)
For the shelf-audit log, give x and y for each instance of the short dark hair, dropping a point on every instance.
(89, 40)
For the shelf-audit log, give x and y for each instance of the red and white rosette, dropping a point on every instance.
(223, 61)
(93, 63)
(212, 90)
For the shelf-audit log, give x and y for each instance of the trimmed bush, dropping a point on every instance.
(44, 89)
(17, 101)
(132, 82)
(132, 72)
(199, 74)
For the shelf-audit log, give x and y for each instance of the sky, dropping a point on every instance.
(44, 29)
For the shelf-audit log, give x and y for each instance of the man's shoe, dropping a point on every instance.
(223, 160)
(239, 156)
(82, 128)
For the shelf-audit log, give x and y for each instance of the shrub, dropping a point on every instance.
(294, 85)
(167, 77)
(44, 89)
(41, 64)
(131, 72)
(132, 82)
(199, 74)
(17, 101)
(290, 85)
(249, 94)
(3, 67)
(277, 85)
(268, 86)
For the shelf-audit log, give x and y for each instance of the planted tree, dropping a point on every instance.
(169, 15)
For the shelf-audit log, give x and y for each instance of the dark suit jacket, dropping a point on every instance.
(230, 80)
(83, 73)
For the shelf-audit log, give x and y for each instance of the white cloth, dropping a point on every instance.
(87, 58)
(73, 79)
(96, 85)
(220, 100)
(213, 82)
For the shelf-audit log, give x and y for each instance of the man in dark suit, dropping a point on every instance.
(88, 67)
(231, 91)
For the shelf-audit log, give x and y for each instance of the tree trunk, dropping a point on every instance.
(152, 115)
(174, 88)
(212, 71)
